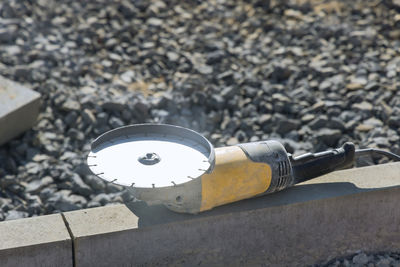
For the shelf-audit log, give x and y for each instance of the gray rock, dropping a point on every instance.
(33, 168)
(216, 102)
(126, 196)
(128, 76)
(102, 198)
(335, 123)
(113, 188)
(155, 22)
(21, 149)
(13, 215)
(68, 156)
(287, 125)
(6, 204)
(79, 186)
(394, 122)
(172, 56)
(71, 118)
(93, 204)
(325, 85)
(205, 69)
(383, 263)
(78, 200)
(88, 116)
(373, 122)
(228, 92)
(7, 36)
(264, 4)
(95, 183)
(35, 208)
(319, 122)
(215, 57)
(381, 141)
(360, 259)
(114, 105)
(232, 141)
(64, 204)
(76, 134)
(254, 138)
(371, 86)
(61, 201)
(22, 72)
(141, 107)
(71, 105)
(126, 115)
(116, 122)
(307, 118)
(363, 106)
(241, 136)
(39, 157)
(82, 170)
(102, 118)
(46, 193)
(329, 137)
(280, 73)
(116, 199)
(265, 119)
(36, 186)
(7, 181)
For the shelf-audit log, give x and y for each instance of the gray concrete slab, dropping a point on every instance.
(333, 215)
(36, 241)
(335, 184)
(19, 108)
(96, 221)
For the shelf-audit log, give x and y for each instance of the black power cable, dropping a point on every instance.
(372, 151)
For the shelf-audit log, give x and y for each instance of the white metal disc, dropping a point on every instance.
(150, 159)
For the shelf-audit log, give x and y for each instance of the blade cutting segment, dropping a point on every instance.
(151, 155)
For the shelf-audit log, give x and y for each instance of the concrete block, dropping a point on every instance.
(36, 241)
(331, 216)
(90, 222)
(19, 108)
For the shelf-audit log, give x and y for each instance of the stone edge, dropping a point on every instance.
(78, 243)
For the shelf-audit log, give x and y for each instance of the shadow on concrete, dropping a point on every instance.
(159, 214)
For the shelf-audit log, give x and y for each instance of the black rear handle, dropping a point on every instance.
(308, 166)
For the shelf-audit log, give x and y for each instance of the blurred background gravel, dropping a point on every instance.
(367, 260)
(312, 74)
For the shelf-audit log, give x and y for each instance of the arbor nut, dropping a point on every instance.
(149, 159)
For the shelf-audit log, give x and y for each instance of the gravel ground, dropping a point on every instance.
(368, 260)
(310, 74)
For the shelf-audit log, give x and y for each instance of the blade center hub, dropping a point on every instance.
(149, 159)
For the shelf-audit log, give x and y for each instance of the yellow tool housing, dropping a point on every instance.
(240, 172)
(234, 177)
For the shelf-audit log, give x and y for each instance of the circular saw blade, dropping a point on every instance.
(150, 155)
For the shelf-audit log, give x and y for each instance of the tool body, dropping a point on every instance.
(240, 172)
(179, 168)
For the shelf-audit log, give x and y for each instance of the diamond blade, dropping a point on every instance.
(150, 155)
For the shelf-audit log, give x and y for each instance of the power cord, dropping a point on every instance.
(374, 151)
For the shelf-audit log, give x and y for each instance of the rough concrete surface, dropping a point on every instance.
(311, 223)
(19, 108)
(36, 241)
(95, 221)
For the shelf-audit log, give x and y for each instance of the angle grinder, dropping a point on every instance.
(178, 167)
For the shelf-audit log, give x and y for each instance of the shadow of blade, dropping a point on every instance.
(159, 214)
